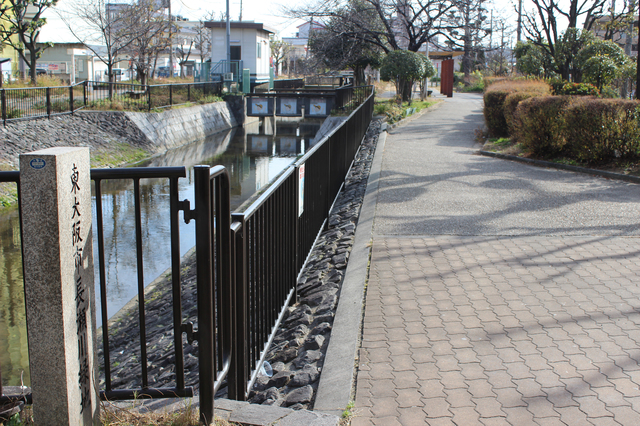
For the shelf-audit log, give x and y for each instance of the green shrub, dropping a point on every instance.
(556, 84)
(13, 113)
(580, 89)
(540, 123)
(601, 130)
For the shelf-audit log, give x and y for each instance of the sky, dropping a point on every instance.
(268, 12)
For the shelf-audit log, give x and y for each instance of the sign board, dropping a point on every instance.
(301, 171)
(260, 107)
(289, 107)
(318, 107)
(287, 145)
(259, 143)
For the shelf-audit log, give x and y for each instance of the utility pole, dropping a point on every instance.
(170, 41)
(519, 19)
(638, 66)
(228, 41)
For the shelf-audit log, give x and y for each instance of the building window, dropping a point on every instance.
(259, 50)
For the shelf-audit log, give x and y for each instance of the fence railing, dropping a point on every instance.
(45, 102)
(247, 262)
(284, 84)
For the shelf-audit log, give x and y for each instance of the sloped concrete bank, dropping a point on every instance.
(105, 131)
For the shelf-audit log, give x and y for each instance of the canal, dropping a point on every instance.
(252, 155)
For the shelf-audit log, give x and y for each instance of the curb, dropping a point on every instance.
(577, 169)
(338, 372)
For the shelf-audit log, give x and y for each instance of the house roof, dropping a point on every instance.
(240, 25)
(444, 55)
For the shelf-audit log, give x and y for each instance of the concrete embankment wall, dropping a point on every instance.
(171, 129)
(103, 131)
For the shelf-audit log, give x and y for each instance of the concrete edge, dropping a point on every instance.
(339, 369)
(237, 412)
(577, 169)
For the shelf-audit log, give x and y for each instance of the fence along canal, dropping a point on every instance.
(251, 258)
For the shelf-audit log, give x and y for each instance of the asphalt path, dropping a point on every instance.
(434, 184)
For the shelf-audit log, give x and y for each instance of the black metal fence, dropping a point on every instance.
(45, 102)
(287, 84)
(247, 262)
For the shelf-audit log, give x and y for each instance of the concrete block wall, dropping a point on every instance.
(173, 128)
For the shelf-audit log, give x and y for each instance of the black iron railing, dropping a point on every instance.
(45, 102)
(172, 174)
(214, 272)
(37, 102)
(288, 84)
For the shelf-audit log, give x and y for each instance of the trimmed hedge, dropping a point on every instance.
(494, 112)
(495, 96)
(509, 108)
(540, 124)
(601, 130)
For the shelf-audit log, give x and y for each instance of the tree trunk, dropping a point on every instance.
(34, 59)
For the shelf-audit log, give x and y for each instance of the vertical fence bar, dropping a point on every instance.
(84, 92)
(175, 283)
(71, 99)
(48, 93)
(103, 286)
(140, 264)
(171, 94)
(3, 100)
(239, 375)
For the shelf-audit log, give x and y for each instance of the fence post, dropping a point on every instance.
(55, 190)
(3, 100)
(204, 270)
(188, 93)
(71, 99)
(48, 91)
(149, 96)
(84, 92)
(170, 94)
(239, 371)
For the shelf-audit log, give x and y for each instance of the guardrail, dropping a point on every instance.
(274, 236)
(45, 102)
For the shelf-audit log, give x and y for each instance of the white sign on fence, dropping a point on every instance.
(301, 190)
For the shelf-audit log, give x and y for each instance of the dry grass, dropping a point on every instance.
(534, 86)
(112, 415)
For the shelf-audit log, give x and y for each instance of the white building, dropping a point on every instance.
(299, 43)
(249, 44)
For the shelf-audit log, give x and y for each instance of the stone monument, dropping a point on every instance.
(55, 197)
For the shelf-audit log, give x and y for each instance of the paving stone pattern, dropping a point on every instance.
(464, 325)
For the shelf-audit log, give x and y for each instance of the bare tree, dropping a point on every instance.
(150, 38)
(102, 26)
(279, 51)
(183, 52)
(202, 41)
(399, 24)
(24, 19)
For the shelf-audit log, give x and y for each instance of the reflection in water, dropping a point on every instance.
(253, 155)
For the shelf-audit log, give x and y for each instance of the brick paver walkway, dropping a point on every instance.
(465, 326)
